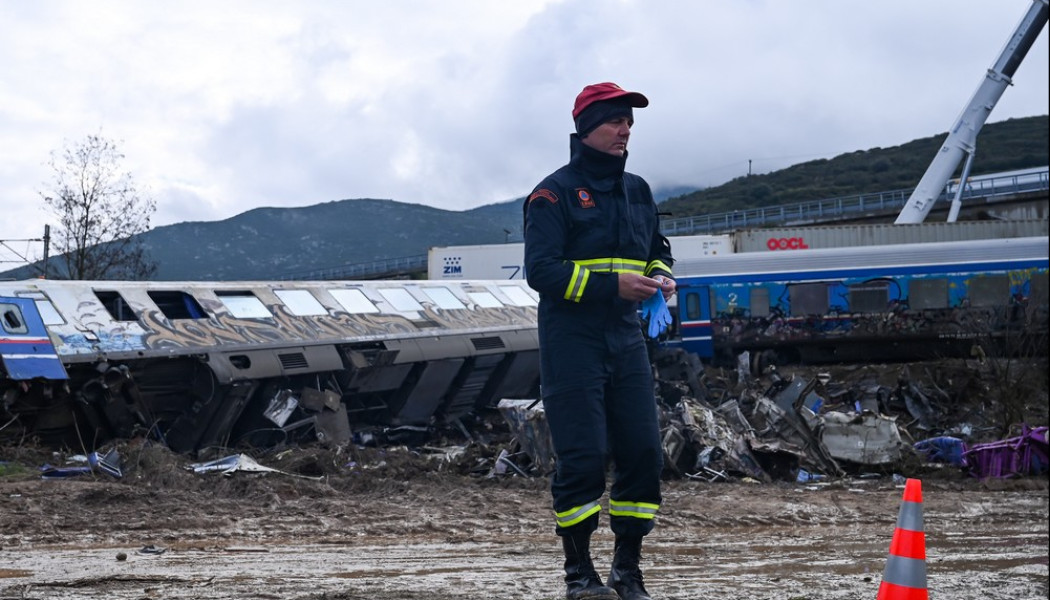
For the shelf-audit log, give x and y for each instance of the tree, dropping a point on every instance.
(100, 211)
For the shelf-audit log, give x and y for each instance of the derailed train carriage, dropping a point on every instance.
(889, 302)
(199, 364)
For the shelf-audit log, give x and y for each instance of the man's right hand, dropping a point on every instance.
(636, 288)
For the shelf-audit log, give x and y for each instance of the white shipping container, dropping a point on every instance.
(877, 234)
(507, 261)
(485, 261)
(695, 246)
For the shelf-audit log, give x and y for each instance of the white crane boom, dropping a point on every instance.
(962, 138)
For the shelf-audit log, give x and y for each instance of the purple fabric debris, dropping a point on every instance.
(1026, 454)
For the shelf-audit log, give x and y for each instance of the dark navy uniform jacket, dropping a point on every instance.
(584, 224)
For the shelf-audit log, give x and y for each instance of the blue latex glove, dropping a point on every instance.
(655, 310)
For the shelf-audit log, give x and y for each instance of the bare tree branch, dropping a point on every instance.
(100, 213)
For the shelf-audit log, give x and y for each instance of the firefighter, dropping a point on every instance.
(593, 250)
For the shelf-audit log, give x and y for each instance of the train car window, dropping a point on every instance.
(759, 302)
(47, 311)
(400, 299)
(354, 301)
(1038, 292)
(116, 306)
(518, 296)
(692, 307)
(301, 303)
(808, 299)
(177, 304)
(11, 318)
(990, 290)
(485, 300)
(443, 298)
(243, 305)
(928, 294)
(869, 297)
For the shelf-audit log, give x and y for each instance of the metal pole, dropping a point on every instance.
(47, 246)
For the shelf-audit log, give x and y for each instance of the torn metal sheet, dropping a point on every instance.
(230, 464)
(281, 407)
(528, 421)
(108, 463)
(237, 462)
(866, 439)
(707, 429)
(787, 432)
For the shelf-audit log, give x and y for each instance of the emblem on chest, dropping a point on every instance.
(585, 198)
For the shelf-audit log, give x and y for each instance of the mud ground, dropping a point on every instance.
(394, 524)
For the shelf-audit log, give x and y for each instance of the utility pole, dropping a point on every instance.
(22, 257)
(47, 246)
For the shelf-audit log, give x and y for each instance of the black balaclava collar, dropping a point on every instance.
(602, 170)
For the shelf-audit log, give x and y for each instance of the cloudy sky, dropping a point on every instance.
(221, 107)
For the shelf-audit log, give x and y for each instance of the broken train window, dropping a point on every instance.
(11, 318)
(116, 305)
(177, 304)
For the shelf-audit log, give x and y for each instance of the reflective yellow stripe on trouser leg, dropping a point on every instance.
(577, 514)
(638, 510)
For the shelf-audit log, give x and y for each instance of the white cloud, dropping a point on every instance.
(224, 107)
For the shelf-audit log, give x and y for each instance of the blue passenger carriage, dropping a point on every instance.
(901, 301)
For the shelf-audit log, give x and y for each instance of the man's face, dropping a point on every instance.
(611, 136)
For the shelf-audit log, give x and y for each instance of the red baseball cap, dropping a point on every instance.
(606, 91)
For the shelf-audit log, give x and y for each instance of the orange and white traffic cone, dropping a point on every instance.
(905, 576)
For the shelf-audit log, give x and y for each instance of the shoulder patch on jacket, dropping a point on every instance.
(544, 193)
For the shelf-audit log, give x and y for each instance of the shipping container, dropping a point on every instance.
(842, 236)
(507, 261)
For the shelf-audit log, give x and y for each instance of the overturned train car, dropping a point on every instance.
(199, 364)
(889, 302)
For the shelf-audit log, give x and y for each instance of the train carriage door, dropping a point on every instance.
(26, 351)
(694, 315)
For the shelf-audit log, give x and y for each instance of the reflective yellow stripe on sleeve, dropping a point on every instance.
(578, 281)
(656, 264)
(582, 271)
(577, 514)
(637, 510)
(613, 265)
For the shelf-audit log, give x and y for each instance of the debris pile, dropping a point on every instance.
(803, 424)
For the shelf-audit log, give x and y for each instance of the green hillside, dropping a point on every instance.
(1003, 146)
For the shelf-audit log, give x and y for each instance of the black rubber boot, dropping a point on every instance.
(626, 576)
(581, 580)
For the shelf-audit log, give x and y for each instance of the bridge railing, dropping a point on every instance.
(365, 270)
(976, 187)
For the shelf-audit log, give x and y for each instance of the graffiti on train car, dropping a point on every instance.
(214, 364)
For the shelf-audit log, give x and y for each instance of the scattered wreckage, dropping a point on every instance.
(801, 427)
(206, 366)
